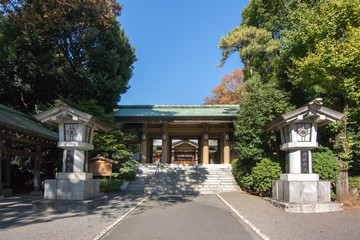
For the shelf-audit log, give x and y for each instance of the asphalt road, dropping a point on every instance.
(182, 217)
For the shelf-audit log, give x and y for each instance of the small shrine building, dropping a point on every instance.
(185, 134)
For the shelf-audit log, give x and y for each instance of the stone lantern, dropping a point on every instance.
(298, 130)
(76, 129)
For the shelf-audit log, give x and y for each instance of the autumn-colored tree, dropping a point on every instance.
(229, 90)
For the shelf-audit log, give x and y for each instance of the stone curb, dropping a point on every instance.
(252, 226)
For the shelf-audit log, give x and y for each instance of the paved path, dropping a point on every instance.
(178, 217)
(279, 225)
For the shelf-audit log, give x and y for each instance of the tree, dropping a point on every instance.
(250, 42)
(52, 13)
(113, 144)
(261, 103)
(324, 48)
(318, 57)
(228, 92)
(71, 50)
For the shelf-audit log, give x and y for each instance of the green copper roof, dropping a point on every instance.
(176, 112)
(22, 122)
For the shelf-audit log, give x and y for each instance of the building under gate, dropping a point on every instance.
(185, 134)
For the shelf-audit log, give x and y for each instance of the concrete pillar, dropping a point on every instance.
(144, 143)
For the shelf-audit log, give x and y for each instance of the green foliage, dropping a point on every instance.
(319, 56)
(113, 144)
(250, 43)
(262, 103)
(130, 163)
(263, 174)
(325, 52)
(93, 107)
(78, 58)
(355, 166)
(242, 173)
(325, 163)
(355, 181)
(110, 186)
(127, 173)
(259, 179)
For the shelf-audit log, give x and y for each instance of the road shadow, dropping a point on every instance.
(21, 214)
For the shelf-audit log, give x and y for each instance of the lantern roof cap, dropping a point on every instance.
(313, 112)
(63, 111)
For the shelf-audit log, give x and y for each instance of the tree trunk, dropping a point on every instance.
(250, 68)
(342, 182)
(342, 186)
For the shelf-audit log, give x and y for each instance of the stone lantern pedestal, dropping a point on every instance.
(299, 189)
(74, 188)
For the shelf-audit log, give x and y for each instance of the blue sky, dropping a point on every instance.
(176, 43)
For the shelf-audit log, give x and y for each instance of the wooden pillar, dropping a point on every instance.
(226, 151)
(165, 144)
(37, 167)
(226, 145)
(144, 143)
(205, 146)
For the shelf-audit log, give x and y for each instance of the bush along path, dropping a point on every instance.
(125, 173)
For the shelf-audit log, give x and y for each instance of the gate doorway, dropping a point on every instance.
(156, 150)
(185, 151)
(214, 151)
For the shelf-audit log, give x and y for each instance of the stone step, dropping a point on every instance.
(183, 179)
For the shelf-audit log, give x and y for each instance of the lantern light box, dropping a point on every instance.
(298, 131)
(76, 129)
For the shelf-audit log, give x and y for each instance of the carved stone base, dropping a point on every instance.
(72, 186)
(301, 188)
(305, 207)
(68, 205)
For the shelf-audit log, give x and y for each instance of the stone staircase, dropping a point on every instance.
(183, 179)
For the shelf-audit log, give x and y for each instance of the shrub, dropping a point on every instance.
(257, 180)
(355, 181)
(112, 186)
(127, 173)
(242, 174)
(325, 164)
(130, 163)
(263, 174)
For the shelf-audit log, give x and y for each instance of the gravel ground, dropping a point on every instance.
(20, 222)
(279, 225)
